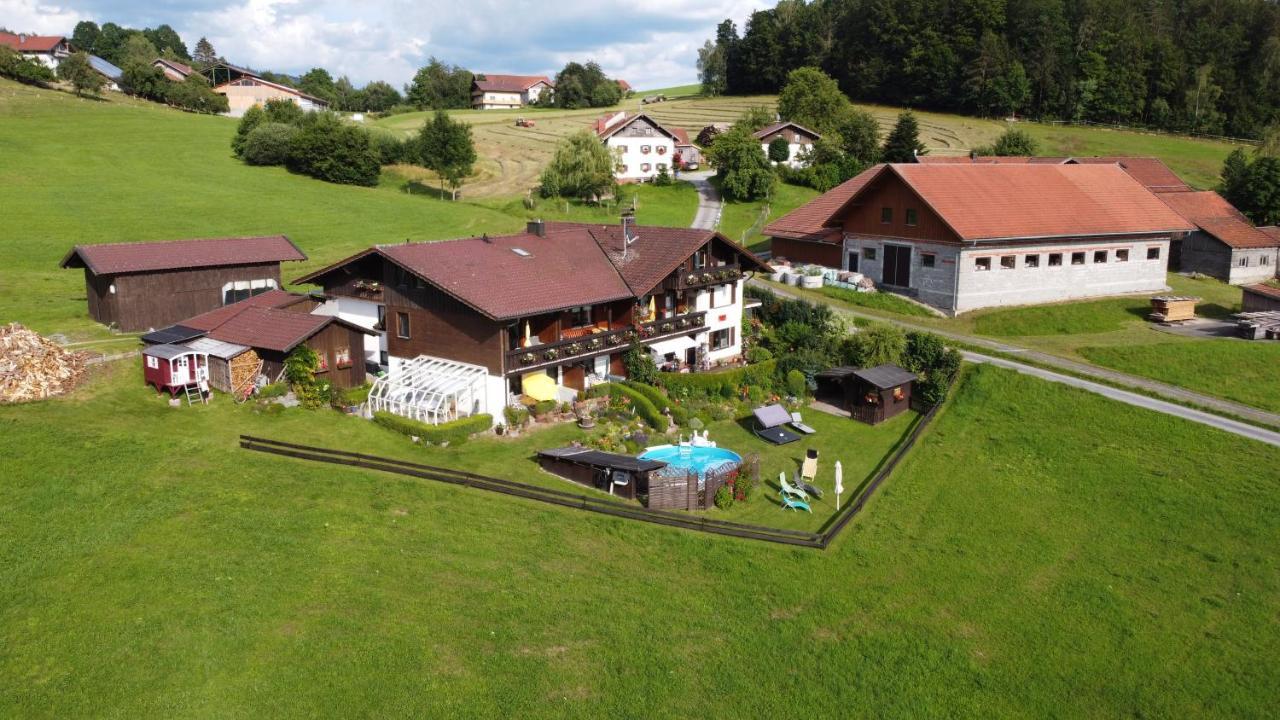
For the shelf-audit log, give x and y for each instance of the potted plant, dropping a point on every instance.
(779, 273)
(812, 277)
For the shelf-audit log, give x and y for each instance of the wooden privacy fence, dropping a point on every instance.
(676, 489)
(601, 505)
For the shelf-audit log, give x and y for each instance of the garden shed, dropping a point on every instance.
(620, 475)
(430, 389)
(231, 366)
(871, 395)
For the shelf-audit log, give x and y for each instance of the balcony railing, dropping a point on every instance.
(554, 353)
(709, 276)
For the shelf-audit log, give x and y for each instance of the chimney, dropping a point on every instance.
(629, 226)
(536, 227)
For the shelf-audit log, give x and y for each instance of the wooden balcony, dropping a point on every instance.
(536, 357)
(706, 277)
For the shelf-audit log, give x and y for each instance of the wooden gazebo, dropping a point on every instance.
(871, 395)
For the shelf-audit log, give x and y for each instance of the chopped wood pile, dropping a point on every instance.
(33, 367)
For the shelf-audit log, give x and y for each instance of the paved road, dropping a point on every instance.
(708, 215)
(1132, 382)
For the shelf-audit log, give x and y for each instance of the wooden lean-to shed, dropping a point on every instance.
(871, 395)
(232, 367)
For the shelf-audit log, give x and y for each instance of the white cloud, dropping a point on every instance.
(650, 44)
(37, 17)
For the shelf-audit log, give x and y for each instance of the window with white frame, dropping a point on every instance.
(238, 290)
(153, 362)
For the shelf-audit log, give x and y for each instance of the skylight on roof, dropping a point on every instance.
(522, 252)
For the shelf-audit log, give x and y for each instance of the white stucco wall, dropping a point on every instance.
(797, 154)
(363, 313)
(721, 318)
(634, 159)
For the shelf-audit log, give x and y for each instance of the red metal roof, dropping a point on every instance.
(31, 43)
(277, 299)
(508, 83)
(1150, 171)
(116, 258)
(810, 221)
(574, 264)
(1214, 215)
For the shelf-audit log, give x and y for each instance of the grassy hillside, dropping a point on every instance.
(1051, 575)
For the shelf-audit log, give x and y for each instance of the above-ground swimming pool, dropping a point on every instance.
(693, 459)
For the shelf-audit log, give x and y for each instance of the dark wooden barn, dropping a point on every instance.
(871, 395)
(140, 286)
(620, 475)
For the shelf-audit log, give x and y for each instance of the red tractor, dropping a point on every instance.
(522, 122)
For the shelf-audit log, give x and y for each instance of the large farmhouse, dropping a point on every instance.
(641, 147)
(49, 50)
(139, 286)
(967, 236)
(508, 92)
(485, 320)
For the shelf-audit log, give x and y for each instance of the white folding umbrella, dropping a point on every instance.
(839, 483)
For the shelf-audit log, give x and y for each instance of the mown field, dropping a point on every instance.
(1032, 557)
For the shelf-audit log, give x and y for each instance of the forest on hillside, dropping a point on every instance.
(1209, 66)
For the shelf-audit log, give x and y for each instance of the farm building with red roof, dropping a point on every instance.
(143, 285)
(1225, 244)
(642, 147)
(508, 92)
(963, 236)
(544, 313)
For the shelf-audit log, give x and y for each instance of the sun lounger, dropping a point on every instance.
(790, 503)
(808, 488)
(770, 420)
(789, 489)
(798, 423)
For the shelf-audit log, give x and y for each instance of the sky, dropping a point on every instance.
(650, 44)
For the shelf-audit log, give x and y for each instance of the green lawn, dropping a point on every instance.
(1015, 565)
(885, 301)
(1196, 161)
(1075, 318)
(741, 221)
(1247, 372)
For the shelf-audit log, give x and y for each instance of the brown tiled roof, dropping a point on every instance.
(810, 221)
(116, 258)
(606, 132)
(989, 160)
(509, 83)
(681, 135)
(1211, 212)
(1270, 291)
(182, 69)
(981, 201)
(768, 130)
(30, 43)
(1151, 172)
(277, 299)
(574, 264)
(623, 85)
(563, 269)
(1272, 231)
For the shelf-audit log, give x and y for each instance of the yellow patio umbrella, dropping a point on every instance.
(538, 385)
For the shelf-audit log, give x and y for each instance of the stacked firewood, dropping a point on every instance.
(33, 367)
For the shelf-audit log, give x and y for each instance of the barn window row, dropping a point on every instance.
(1080, 257)
(238, 290)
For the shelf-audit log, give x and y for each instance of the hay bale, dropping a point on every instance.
(33, 367)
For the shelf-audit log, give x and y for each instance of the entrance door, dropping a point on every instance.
(853, 261)
(575, 377)
(897, 266)
(181, 371)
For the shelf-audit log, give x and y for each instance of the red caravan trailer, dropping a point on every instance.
(175, 369)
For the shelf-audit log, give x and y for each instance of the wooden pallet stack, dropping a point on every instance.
(1173, 308)
(1259, 325)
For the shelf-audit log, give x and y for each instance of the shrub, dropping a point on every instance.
(354, 396)
(758, 354)
(515, 415)
(453, 432)
(268, 144)
(660, 401)
(796, 384)
(639, 365)
(663, 178)
(695, 386)
(273, 390)
(328, 149)
(724, 497)
(641, 404)
(389, 146)
(16, 67)
(252, 118)
(542, 407)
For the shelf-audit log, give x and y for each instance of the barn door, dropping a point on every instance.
(897, 266)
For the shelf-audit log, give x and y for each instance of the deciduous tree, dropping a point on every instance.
(741, 165)
(76, 70)
(581, 168)
(445, 147)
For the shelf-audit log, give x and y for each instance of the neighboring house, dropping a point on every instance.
(1260, 297)
(172, 69)
(625, 87)
(273, 324)
(1225, 244)
(472, 325)
(641, 147)
(506, 92)
(688, 153)
(244, 88)
(1151, 172)
(799, 139)
(46, 49)
(114, 75)
(967, 236)
(139, 286)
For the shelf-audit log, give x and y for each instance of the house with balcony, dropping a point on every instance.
(964, 236)
(641, 147)
(471, 325)
(48, 50)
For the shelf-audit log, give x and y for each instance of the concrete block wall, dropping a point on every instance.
(934, 285)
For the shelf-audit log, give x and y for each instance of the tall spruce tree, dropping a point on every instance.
(903, 143)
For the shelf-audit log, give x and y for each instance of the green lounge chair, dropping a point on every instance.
(791, 503)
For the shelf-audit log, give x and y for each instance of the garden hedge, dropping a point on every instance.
(643, 406)
(719, 384)
(660, 400)
(453, 432)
